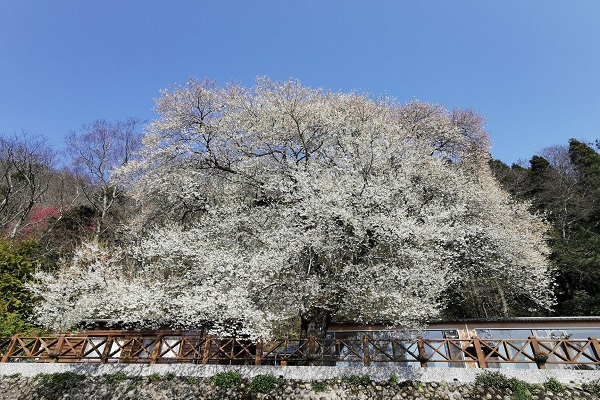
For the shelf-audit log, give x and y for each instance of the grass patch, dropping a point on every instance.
(115, 378)
(169, 376)
(225, 380)
(264, 383)
(319, 387)
(118, 377)
(358, 379)
(495, 380)
(59, 381)
(192, 380)
(554, 386)
(154, 378)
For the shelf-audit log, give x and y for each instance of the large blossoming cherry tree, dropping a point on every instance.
(278, 200)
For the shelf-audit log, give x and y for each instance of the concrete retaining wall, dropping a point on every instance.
(17, 381)
(462, 375)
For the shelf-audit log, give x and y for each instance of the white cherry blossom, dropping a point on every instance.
(260, 203)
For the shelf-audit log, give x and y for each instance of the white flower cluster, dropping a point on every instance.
(257, 203)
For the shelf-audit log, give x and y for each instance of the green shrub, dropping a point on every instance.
(264, 383)
(18, 262)
(115, 378)
(495, 380)
(393, 379)
(319, 387)
(554, 385)
(358, 379)
(226, 380)
(169, 376)
(59, 381)
(192, 380)
(154, 378)
(522, 390)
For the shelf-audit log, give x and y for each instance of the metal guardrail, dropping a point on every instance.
(128, 347)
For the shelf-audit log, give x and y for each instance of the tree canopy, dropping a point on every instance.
(257, 203)
(563, 183)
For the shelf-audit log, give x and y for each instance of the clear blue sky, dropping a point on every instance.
(532, 67)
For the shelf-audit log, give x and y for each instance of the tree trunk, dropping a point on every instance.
(314, 323)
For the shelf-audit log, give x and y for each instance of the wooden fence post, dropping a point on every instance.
(107, 348)
(206, 352)
(479, 352)
(11, 348)
(595, 347)
(422, 353)
(312, 345)
(55, 355)
(156, 350)
(312, 350)
(537, 352)
(366, 355)
(258, 352)
(232, 350)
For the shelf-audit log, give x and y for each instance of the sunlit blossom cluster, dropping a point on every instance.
(278, 200)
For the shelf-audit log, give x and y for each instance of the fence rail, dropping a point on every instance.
(127, 347)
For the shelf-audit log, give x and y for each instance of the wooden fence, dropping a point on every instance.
(128, 347)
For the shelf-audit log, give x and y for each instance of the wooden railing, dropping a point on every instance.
(128, 347)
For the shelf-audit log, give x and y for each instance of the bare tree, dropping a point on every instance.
(26, 171)
(94, 152)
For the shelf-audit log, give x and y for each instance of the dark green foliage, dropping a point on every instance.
(514, 179)
(192, 380)
(12, 323)
(358, 379)
(264, 383)
(59, 381)
(539, 165)
(169, 376)
(152, 378)
(115, 378)
(495, 380)
(586, 161)
(554, 386)
(18, 261)
(564, 186)
(225, 380)
(586, 165)
(319, 387)
(576, 247)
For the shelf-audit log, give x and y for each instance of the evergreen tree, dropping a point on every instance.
(564, 185)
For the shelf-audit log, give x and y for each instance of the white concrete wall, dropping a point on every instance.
(458, 375)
